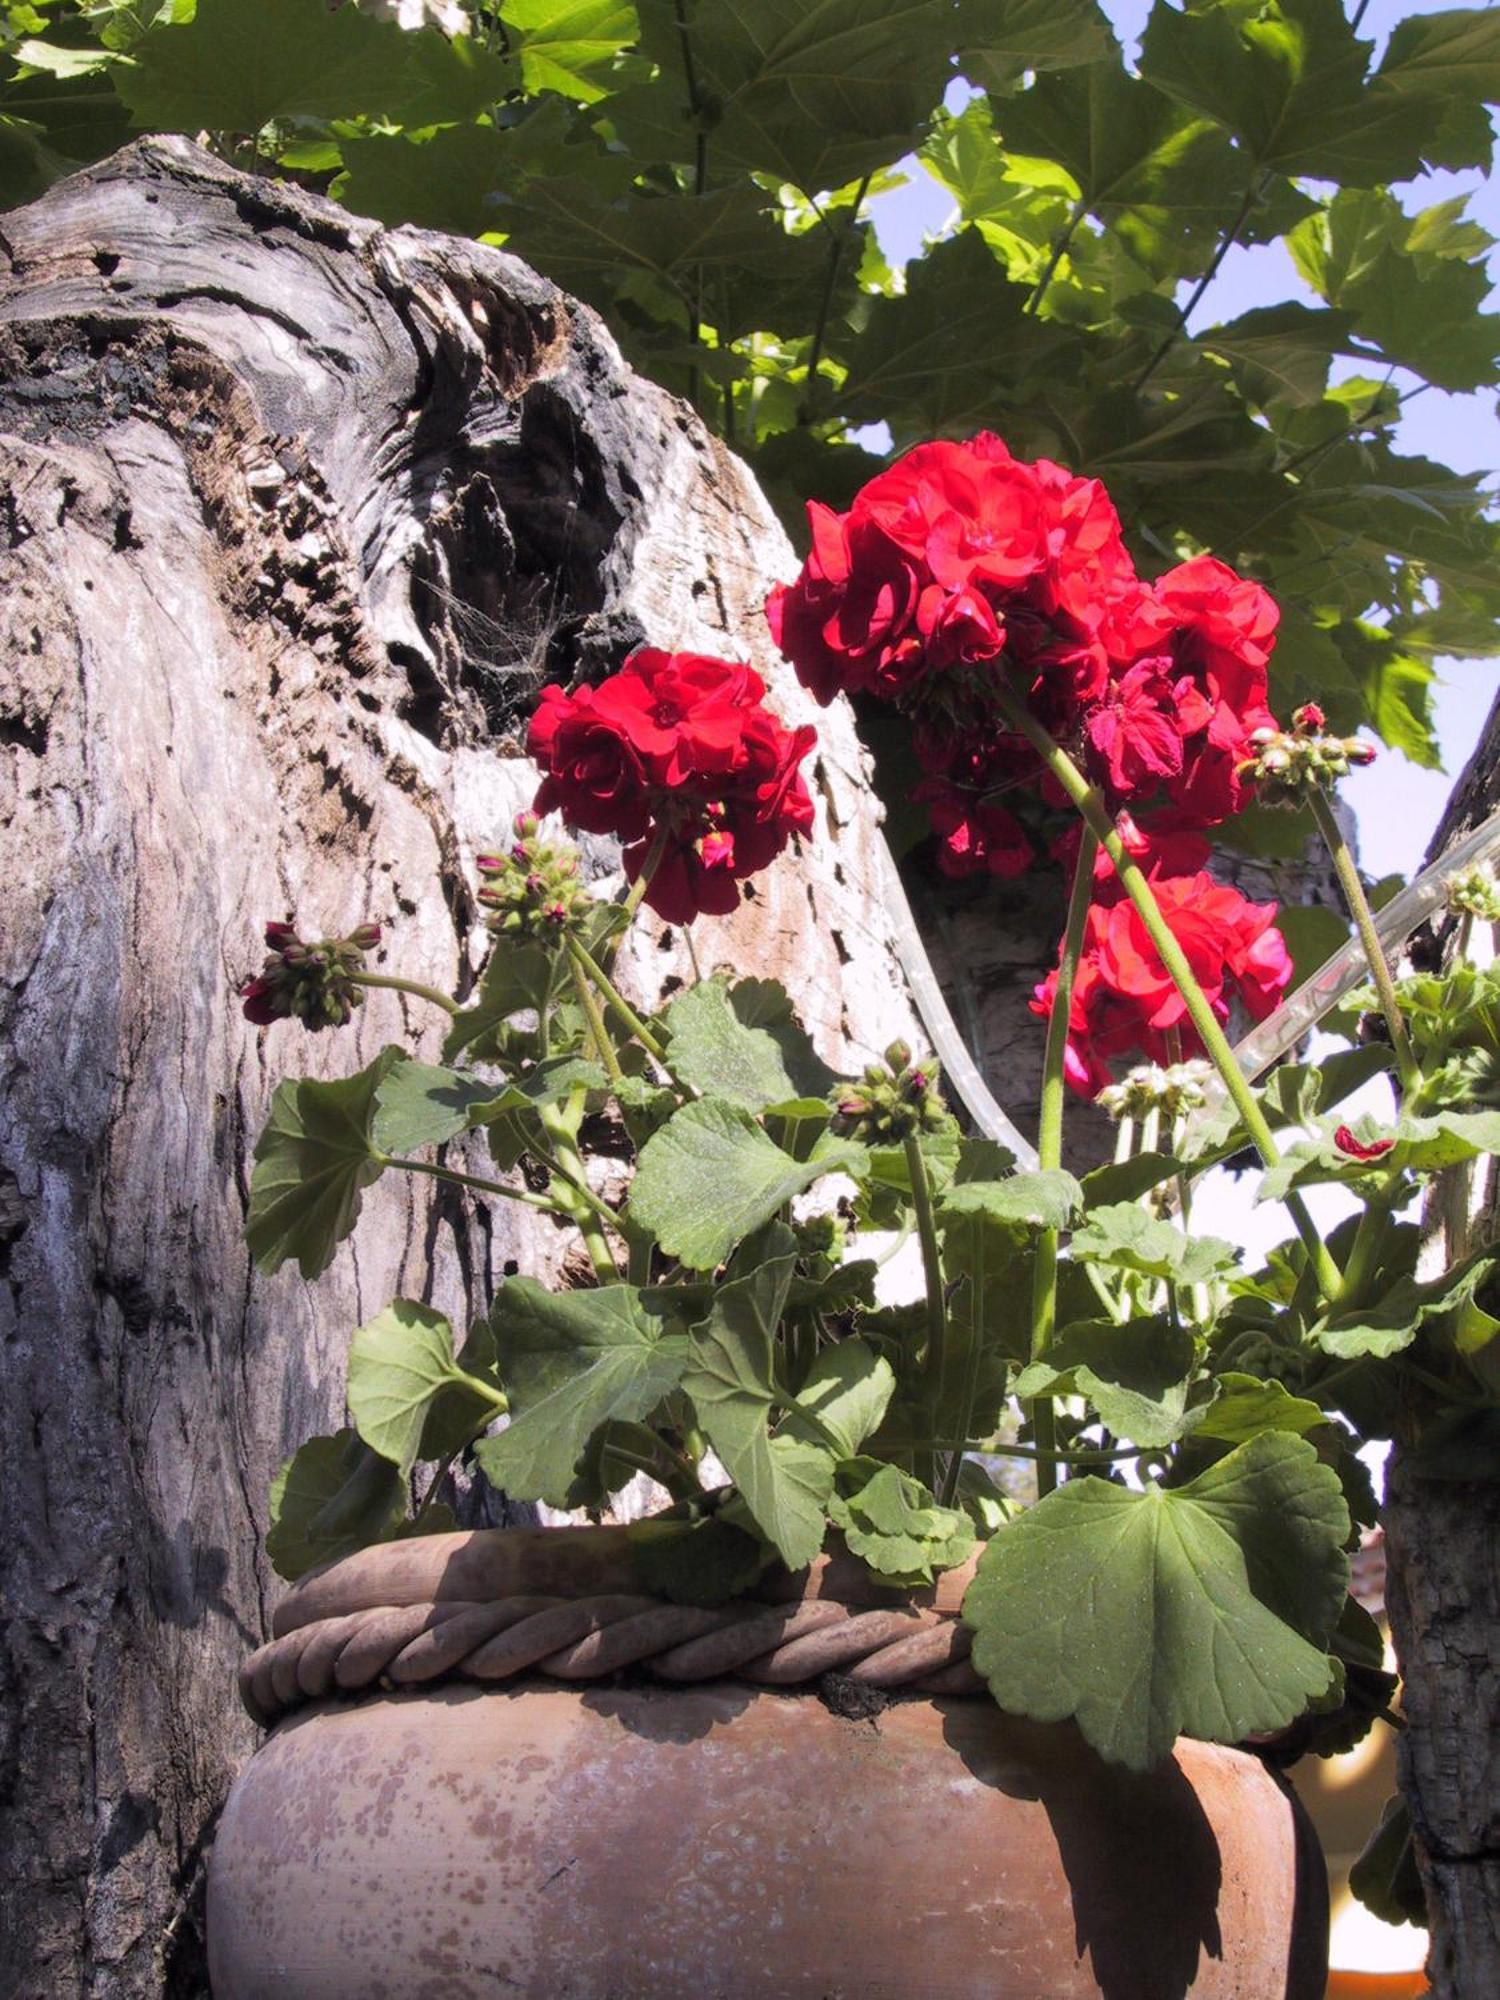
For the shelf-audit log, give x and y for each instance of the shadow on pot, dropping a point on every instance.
(1142, 1861)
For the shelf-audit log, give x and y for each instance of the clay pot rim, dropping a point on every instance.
(493, 1604)
(485, 1564)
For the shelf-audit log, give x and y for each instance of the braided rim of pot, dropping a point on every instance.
(572, 1639)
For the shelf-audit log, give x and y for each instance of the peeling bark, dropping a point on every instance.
(295, 515)
(1443, 1570)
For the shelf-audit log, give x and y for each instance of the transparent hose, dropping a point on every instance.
(1394, 924)
(1265, 1044)
(960, 1071)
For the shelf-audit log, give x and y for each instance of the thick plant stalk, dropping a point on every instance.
(1443, 1594)
(1049, 1146)
(1096, 816)
(1353, 891)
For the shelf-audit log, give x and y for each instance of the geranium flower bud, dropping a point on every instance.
(1474, 893)
(526, 825)
(490, 864)
(311, 983)
(1309, 718)
(898, 1055)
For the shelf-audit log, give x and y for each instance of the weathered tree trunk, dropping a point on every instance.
(295, 514)
(1443, 1591)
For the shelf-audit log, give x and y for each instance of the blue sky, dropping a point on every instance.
(1398, 804)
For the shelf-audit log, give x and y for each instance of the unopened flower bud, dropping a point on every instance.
(526, 826)
(365, 937)
(1474, 892)
(898, 1055)
(1309, 718)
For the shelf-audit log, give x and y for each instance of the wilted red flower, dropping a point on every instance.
(1125, 1001)
(679, 744)
(1346, 1142)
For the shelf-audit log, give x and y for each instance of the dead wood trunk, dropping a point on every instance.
(1442, 1524)
(295, 515)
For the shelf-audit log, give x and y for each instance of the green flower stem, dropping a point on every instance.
(639, 1446)
(501, 1404)
(1369, 1237)
(595, 1019)
(643, 881)
(1364, 922)
(412, 986)
(1090, 804)
(456, 1179)
(989, 1448)
(568, 1164)
(932, 1266)
(1049, 1145)
(584, 960)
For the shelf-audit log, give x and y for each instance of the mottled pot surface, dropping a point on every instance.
(730, 1843)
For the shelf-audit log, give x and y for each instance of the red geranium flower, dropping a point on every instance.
(1125, 1002)
(677, 755)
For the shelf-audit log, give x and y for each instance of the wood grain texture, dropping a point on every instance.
(295, 515)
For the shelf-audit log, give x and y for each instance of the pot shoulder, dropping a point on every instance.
(572, 1844)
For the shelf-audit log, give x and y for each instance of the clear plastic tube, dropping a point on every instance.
(1347, 968)
(960, 1071)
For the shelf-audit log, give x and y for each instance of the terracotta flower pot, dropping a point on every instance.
(644, 1841)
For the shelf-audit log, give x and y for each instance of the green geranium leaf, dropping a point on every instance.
(1245, 1406)
(1294, 1093)
(894, 1524)
(744, 1045)
(785, 1480)
(848, 1390)
(1391, 1323)
(987, 1265)
(938, 352)
(572, 1361)
(983, 1160)
(1135, 1375)
(885, 1196)
(333, 1497)
(399, 1364)
(1126, 1180)
(1446, 1140)
(1202, 1610)
(696, 1562)
(420, 1104)
(312, 1163)
(710, 1176)
(237, 64)
(517, 977)
(1386, 1878)
(1128, 1239)
(985, 1503)
(1045, 1200)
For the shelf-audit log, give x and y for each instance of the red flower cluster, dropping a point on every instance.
(677, 748)
(1125, 1002)
(961, 563)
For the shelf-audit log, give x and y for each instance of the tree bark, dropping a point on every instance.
(296, 514)
(1443, 1570)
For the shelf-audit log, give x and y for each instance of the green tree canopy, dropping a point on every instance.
(702, 172)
